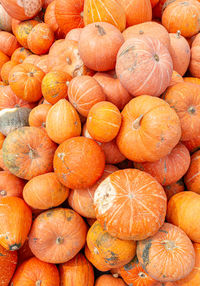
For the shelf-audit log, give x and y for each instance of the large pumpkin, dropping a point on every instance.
(195, 58)
(37, 116)
(57, 235)
(192, 177)
(107, 279)
(28, 152)
(10, 185)
(144, 66)
(176, 249)
(130, 204)
(144, 134)
(8, 263)
(15, 223)
(8, 43)
(96, 260)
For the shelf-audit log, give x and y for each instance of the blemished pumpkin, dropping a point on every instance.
(38, 114)
(5, 71)
(6, 20)
(192, 177)
(115, 252)
(174, 188)
(36, 272)
(170, 168)
(77, 271)
(74, 34)
(104, 11)
(194, 62)
(144, 135)
(103, 121)
(116, 208)
(144, 66)
(74, 162)
(108, 279)
(28, 152)
(186, 216)
(15, 210)
(8, 263)
(176, 78)
(176, 249)
(84, 92)
(53, 237)
(19, 55)
(3, 59)
(10, 185)
(25, 81)
(99, 36)
(96, 260)
(8, 43)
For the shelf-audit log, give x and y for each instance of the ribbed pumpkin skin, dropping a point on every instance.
(195, 80)
(107, 279)
(2, 165)
(195, 58)
(170, 168)
(116, 209)
(176, 249)
(77, 271)
(19, 55)
(174, 188)
(53, 237)
(193, 144)
(186, 216)
(15, 210)
(104, 11)
(28, 152)
(5, 71)
(10, 185)
(37, 116)
(144, 66)
(3, 59)
(8, 263)
(188, 12)
(5, 23)
(192, 177)
(176, 78)
(33, 271)
(96, 260)
(8, 43)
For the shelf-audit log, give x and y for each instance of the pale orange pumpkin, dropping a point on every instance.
(74, 34)
(194, 62)
(37, 116)
(6, 20)
(107, 279)
(8, 43)
(5, 71)
(176, 78)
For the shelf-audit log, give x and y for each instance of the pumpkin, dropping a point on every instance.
(53, 237)
(192, 177)
(144, 135)
(25, 81)
(82, 200)
(8, 263)
(55, 86)
(114, 91)
(170, 168)
(3, 59)
(193, 144)
(28, 152)
(104, 11)
(130, 204)
(77, 271)
(32, 59)
(195, 80)
(68, 14)
(37, 116)
(96, 260)
(176, 78)
(15, 210)
(184, 99)
(22, 10)
(180, 52)
(186, 216)
(144, 66)
(40, 39)
(74, 162)
(84, 92)
(5, 71)
(151, 29)
(5, 23)
(174, 246)
(2, 138)
(195, 59)
(19, 55)
(115, 252)
(174, 188)
(99, 36)
(62, 113)
(13, 118)
(107, 279)
(47, 187)
(188, 12)
(74, 34)
(8, 43)
(42, 63)
(36, 272)
(24, 252)
(2, 165)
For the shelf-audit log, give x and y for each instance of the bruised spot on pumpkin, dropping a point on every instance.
(49, 213)
(15, 246)
(112, 259)
(35, 239)
(145, 254)
(132, 48)
(162, 230)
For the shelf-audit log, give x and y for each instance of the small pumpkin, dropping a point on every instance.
(5, 71)
(192, 177)
(194, 62)
(10, 185)
(107, 279)
(6, 20)
(19, 55)
(96, 260)
(37, 116)
(8, 263)
(174, 188)
(8, 43)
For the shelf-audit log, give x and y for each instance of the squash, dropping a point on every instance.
(19, 55)
(96, 260)
(8, 263)
(193, 144)
(37, 116)
(10, 185)
(5, 71)
(174, 188)
(8, 43)
(176, 78)
(194, 62)
(6, 20)
(2, 138)
(74, 34)
(195, 80)
(107, 279)
(192, 177)
(24, 253)
(3, 59)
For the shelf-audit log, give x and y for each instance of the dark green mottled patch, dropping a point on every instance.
(162, 230)
(15, 246)
(112, 258)
(49, 213)
(145, 254)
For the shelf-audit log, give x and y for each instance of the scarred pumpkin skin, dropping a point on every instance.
(8, 263)
(176, 249)
(37, 116)
(10, 185)
(174, 188)
(192, 177)
(61, 242)
(195, 59)
(5, 71)
(107, 279)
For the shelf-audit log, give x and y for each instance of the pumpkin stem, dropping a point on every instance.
(156, 57)
(169, 245)
(38, 283)
(44, 124)
(116, 275)
(142, 275)
(82, 14)
(69, 61)
(33, 154)
(100, 30)
(191, 110)
(178, 33)
(30, 74)
(3, 193)
(136, 123)
(141, 32)
(67, 83)
(59, 240)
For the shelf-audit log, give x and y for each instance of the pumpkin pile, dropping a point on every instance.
(99, 142)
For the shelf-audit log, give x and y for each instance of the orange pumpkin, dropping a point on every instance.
(28, 152)
(96, 260)
(8, 263)
(194, 62)
(174, 188)
(6, 20)
(99, 36)
(10, 185)
(3, 59)
(8, 43)
(33, 59)
(19, 55)
(35, 272)
(15, 210)
(170, 168)
(37, 116)
(130, 204)
(42, 63)
(195, 80)
(176, 78)
(24, 252)
(55, 86)
(53, 237)
(82, 200)
(2, 138)
(74, 34)
(5, 71)
(144, 135)
(84, 92)
(193, 144)
(25, 81)
(104, 11)
(144, 66)
(175, 248)
(192, 177)
(186, 214)
(107, 279)
(182, 16)
(77, 271)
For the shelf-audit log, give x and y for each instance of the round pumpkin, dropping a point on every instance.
(192, 177)
(6, 20)
(19, 55)
(99, 36)
(174, 246)
(144, 135)
(5, 71)
(3, 59)
(174, 188)
(10, 185)
(74, 34)
(176, 78)
(28, 152)
(8, 43)
(96, 260)
(107, 279)
(54, 237)
(37, 116)
(8, 263)
(74, 162)
(195, 59)
(130, 204)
